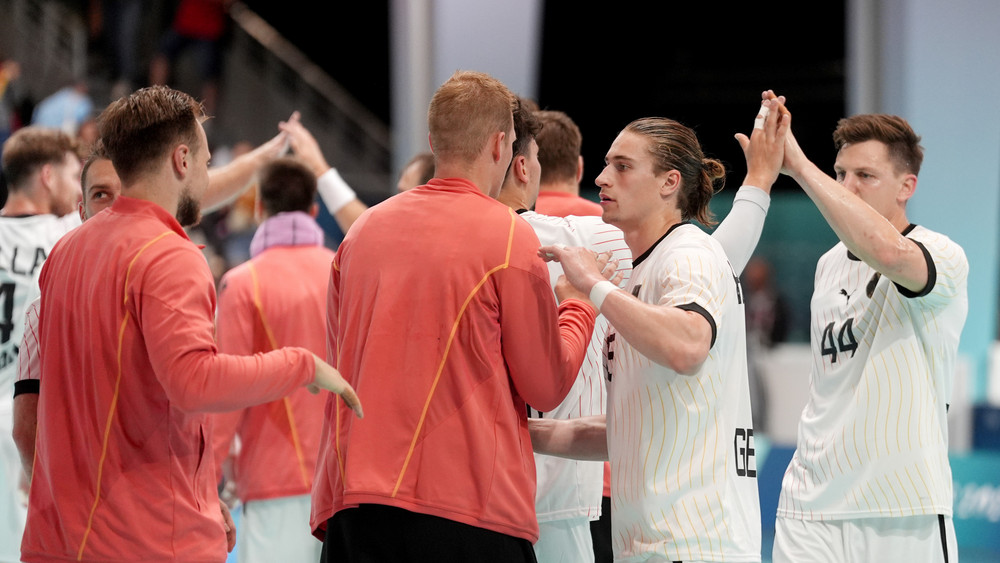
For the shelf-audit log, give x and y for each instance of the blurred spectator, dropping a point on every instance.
(10, 71)
(201, 26)
(114, 28)
(767, 325)
(66, 109)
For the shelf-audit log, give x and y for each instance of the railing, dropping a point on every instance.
(266, 78)
(49, 41)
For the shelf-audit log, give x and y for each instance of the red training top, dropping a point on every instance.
(443, 319)
(123, 468)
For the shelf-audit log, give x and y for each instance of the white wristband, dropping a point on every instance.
(334, 190)
(601, 290)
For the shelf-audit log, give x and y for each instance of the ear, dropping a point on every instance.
(45, 174)
(579, 169)
(79, 208)
(180, 160)
(908, 188)
(671, 183)
(520, 168)
(496, 145)
(314, 210)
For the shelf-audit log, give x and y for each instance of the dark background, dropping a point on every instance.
(703, 64)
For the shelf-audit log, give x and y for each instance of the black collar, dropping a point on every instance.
(644, 255)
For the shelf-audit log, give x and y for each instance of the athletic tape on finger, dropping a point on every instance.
(759, 122)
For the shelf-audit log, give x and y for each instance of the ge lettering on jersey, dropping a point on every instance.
(681, 447)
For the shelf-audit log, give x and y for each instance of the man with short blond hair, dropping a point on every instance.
(441, 310)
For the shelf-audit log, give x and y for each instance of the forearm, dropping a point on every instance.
(339, 199)
(213, 382)
(227, 182)
(25, 424)
(578, 438)
(863, 230)
(672, 337)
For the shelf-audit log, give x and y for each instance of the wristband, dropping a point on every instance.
(601, 290)
(334, 190)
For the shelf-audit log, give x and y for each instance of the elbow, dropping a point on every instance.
(684, 359)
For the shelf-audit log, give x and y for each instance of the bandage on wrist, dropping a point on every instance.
(601, 290)
(334, 190)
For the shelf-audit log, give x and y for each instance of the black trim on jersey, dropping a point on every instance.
(644, 255)
(696, 308)
(26, 386)
(520, 211)
(944, 537)
(931, 270)
(906, 231)
(931, 276)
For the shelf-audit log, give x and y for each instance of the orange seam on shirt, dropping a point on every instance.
(296, 443)
(114, 402)
(447, 349)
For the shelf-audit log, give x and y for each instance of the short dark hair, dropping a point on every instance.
(526, 126)
(139, 129)
(32, 147)
(286, 184)
(891, 130)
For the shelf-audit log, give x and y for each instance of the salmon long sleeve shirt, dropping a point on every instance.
(277, 298)
(442, 317)
(123, 468)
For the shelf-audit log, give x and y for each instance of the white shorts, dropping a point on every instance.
(13, 503)
(277, 530)
(565, 541)
(913, 539)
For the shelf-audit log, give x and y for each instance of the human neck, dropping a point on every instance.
(566, 187)
(644, 235)
(514, 197)
(20, 203)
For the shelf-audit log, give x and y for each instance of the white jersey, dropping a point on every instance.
(25, 243)
(568, 488)
(683, 471)
(29, 362)
(873, 437)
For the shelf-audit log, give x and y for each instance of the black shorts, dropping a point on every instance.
(374, 533)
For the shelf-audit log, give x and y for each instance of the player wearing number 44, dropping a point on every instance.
(870, 478)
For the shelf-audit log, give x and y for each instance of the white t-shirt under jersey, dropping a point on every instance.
(683, 471)
(568, 488)
(873, 437)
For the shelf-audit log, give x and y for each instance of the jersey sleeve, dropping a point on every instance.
(28, 359)
(947, 271)
(173, 300)
(544, 346)
(740, 231)
(692, 275)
